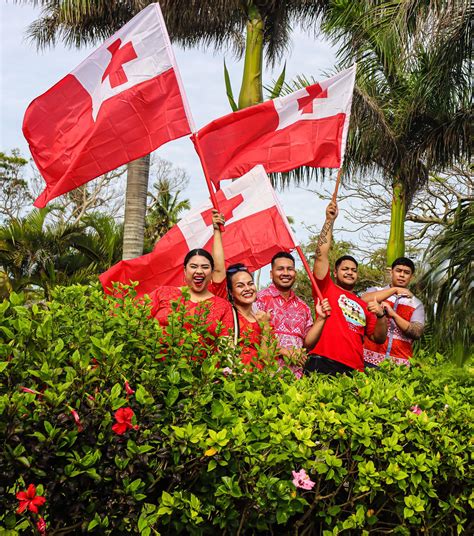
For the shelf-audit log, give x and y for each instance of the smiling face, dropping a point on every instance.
(243, 289)
(401, 276)
(346, 274)
(197, 273)
(283, 273)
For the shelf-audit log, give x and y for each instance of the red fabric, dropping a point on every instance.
(343, 335)
(219, 289)
(71, 149)
(251, 334)
(253, 234)
(119, 104)
(305, 128)
(401, 346)
(215, 309)
(291, 318)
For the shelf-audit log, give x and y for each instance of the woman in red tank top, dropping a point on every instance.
(254, 329)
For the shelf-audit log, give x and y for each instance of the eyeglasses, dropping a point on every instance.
(235, 269)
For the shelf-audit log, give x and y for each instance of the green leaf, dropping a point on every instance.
(228, 88)
(143, 397)
(275, 92)
(115, 391)
(172, 396)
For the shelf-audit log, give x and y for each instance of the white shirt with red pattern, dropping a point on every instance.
(398, 346)
(291, 317)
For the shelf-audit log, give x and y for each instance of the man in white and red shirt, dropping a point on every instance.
(405, 313)
(291, 318)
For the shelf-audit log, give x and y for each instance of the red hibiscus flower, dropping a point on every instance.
(123, 416)
(41, 526)
(77, 420)
(29, 500)
(128, 389)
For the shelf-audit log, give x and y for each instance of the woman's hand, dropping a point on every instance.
(217, 219)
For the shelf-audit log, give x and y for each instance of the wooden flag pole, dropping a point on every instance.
(310, 273)
(197, 146)
(336, 188)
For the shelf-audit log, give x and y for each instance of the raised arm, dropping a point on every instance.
(321, 259)
(217, 248)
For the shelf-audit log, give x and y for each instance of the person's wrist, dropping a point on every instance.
(382, 314)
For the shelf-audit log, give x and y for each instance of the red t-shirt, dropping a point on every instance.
(343, 334)
(219, 310)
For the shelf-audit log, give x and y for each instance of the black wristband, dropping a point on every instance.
(382, 315)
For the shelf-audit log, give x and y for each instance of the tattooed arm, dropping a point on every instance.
(413, 330)
(321, 260)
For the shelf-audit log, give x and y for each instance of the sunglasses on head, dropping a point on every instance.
(235, 269)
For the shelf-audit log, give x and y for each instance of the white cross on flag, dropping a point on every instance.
(306, 128)
(121, 103)
(256, 228)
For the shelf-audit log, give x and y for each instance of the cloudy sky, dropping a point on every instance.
(26, 73)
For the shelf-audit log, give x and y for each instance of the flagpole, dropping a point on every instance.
(309, 272)
(336, 188)
(197, 146)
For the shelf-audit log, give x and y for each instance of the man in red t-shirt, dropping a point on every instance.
(340, 348)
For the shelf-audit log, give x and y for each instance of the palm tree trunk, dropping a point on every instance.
(135, 207)
(396, 240)
(251, 90)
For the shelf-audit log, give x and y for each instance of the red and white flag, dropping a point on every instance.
(256, 228)
(121, 103)
(308, 127)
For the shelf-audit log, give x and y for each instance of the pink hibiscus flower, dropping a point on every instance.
(302, 480)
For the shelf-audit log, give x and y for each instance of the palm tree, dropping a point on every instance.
(33, 253)
(36, 254)
(448, 286)
(412, 105)
(164, 211)
(190, 22)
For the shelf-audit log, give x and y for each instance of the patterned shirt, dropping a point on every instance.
(398, 346)
(291, 317)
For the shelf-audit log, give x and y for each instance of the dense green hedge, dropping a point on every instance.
(210, 450)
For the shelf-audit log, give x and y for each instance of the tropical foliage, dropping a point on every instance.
(36, 255)
(109, 425)
(413, 104)
(14, 190)
(448, 285)
(165, 210)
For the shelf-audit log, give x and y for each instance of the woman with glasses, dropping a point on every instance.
(252, 327)
(200, 300)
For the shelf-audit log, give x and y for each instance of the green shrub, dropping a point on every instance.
(209, 451)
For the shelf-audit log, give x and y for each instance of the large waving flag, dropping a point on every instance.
(256, 228)
(121, 103)
(308, 127)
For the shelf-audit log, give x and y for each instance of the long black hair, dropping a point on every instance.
(201, 253)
